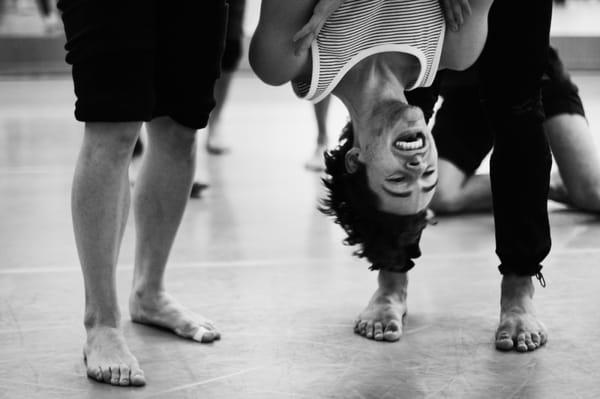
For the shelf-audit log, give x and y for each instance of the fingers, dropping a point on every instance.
(304, 43)
(305, 31)
(309, 32)
(455, 12)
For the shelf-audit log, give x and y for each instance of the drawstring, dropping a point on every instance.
(541, 279)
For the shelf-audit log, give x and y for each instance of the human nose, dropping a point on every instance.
(416, 164)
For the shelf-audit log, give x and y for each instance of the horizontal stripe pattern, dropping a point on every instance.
(359, 27)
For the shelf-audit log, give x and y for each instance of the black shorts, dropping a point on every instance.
(461, 131)
(135, 60)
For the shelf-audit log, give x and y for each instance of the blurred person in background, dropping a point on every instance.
(464, 138)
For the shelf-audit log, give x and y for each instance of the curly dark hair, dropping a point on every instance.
(388, 241)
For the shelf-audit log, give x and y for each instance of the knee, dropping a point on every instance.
(586, 197)
(172, 138)
(446, 201)
(113, 140)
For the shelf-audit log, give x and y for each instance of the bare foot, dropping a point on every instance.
(316, 163)
(519, 326)
(383, 318)
(164, 311)
(108, 359)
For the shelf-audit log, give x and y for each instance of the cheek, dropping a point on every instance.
(426, 200)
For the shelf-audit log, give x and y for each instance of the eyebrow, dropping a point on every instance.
(407, 194)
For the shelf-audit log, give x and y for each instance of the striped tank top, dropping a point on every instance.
(361, 28)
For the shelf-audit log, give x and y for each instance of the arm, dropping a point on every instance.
(305, 36)
(286, 29)
(455, 12)
(272, 52)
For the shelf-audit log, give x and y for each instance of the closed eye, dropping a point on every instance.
(396, 179)
(429, 172)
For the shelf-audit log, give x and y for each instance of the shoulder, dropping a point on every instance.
(271, 50)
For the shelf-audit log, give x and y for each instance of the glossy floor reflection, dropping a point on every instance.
(255, 255)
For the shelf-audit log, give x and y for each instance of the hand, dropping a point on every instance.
(455, 12)
(305, 36)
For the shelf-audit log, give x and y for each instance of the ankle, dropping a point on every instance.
(393, 283)
(516, 289)
(146, 293)
(101, 318)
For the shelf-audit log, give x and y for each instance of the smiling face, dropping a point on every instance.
(400, 158)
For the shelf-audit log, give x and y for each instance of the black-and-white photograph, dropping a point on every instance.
(288, 199)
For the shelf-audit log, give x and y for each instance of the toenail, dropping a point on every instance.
(200, 334)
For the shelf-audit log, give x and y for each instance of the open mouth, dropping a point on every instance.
(410, 141)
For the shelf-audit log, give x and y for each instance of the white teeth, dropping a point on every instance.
(412, 145)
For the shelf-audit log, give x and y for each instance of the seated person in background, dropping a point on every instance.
(463, 139)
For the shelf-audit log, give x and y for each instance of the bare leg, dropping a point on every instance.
(383, 318)
(160, 197)
(577, 183)
(100, 206)
(578, 159)
(214, 138)
(456, 192)
(519, 326)
(316, 162)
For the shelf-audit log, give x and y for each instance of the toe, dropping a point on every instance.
(521, 345)
(531, 346)
(201, 334)
(543, 338)
(106, 374)
(137, 376)
(369, 329)
(204, 335)
(95, 373)
(393, 331)
(504, 340)
(378, 331)
(125, 377)
(535, 338)
(362, 328)
(115, 375)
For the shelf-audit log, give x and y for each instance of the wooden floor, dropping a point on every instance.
(256, 256)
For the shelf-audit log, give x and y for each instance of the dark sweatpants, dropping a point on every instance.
(511, 68)
(512, 64)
